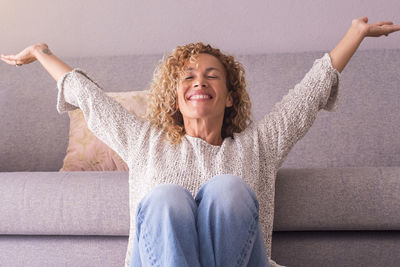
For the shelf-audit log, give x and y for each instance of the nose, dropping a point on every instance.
(200, 83)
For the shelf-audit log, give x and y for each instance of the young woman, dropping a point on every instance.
(202, 175)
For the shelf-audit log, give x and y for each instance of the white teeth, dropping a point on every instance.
(199, 97)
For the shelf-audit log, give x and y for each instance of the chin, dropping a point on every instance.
(198, 116)
(198, 113)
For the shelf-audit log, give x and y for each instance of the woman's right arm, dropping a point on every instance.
(54, 66)
(106, 118)
(41, 52)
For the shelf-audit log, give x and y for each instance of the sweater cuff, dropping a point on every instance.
(63, 105)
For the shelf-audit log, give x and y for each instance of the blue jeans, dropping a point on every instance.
(220, 227)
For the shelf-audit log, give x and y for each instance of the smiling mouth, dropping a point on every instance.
(199, 97)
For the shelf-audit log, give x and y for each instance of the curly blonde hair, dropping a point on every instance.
(162, 108)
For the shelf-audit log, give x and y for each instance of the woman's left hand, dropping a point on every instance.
(375, 30)
(359, 29)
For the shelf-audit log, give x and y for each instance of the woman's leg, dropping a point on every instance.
(259, 250)
(166, 232)
(228, 225)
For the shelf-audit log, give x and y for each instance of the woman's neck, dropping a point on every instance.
(206, 130)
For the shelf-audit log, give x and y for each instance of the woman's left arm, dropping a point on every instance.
(359, 29)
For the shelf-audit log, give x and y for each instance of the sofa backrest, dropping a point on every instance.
(364, 131)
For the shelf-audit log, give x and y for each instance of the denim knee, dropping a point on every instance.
(165, 228)
(168, 199)
(227, 189)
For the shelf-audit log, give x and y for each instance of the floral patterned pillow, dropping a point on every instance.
(85, 151)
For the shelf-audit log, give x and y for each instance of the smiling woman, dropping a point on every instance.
(203, 97)
(201, 174)
(199, 69)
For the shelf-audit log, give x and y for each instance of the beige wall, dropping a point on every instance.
(93, 27)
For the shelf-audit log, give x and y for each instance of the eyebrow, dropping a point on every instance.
(208, 69)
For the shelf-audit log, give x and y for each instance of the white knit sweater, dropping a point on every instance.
(255, 154)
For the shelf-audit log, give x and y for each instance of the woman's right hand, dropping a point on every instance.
(26, 56)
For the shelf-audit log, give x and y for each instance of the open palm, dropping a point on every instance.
(376, 29)
(24, 57)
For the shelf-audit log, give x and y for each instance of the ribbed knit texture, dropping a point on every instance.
(255, 154)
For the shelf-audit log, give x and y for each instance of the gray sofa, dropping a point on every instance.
(337, 194)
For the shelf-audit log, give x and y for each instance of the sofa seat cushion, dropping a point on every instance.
(64, 203)
(39, 251)
(351, 198)
(337, 248)
(96, 203)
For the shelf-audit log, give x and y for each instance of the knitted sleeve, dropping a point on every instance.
(291, 118)
(105, 117)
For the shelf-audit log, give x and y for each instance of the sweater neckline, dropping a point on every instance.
(203, 142)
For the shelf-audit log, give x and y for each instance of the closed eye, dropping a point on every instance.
(211, 77)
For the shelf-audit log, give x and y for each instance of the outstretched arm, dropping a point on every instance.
(359, 29)
(119, 129)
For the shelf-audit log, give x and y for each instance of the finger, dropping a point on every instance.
(381, 23)
(8, 61)
(395, 28)
(390, 28)
(9, 57)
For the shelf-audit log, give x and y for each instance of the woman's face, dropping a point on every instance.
(202, 91)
